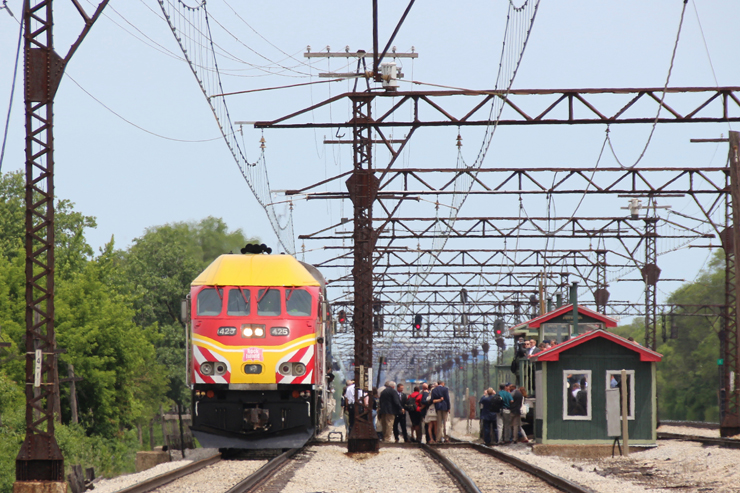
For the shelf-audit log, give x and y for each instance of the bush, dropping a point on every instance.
(109, 457)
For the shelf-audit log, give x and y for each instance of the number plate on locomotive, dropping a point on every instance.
(226, 331)
(279, 331)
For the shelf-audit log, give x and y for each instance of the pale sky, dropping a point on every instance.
(130, 180)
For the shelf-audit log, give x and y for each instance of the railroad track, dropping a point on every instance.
(547, 480)
(721, 442)
(250, 483)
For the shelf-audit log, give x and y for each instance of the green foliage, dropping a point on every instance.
(116, 358)
(69, 226)
(109, 456)
(12, 430)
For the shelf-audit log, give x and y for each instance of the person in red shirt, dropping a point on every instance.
(413, 401)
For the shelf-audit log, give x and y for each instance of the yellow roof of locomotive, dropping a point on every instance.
(255, 270)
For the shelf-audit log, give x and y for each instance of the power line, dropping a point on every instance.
(132, 123)
(12, 87)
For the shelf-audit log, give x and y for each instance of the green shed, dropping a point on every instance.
(573, 379)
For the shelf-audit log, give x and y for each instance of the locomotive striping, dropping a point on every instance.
(307, 339)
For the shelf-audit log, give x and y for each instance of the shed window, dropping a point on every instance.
(268, 302)
(614, 381)
(577, 395)
(238, 302)
(209, 302)
(298, 302)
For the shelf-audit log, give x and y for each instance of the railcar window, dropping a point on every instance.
(209, 302)
(614, 381)
(298, 302)
(238, 302)
(268, 302)
(577, 394)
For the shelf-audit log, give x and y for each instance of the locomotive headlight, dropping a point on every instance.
(220, 368)
(206, 368)
(247, 332)
(299, 369)
(285, 368)
(259, 332)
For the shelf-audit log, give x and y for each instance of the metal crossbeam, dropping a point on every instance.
(548, 107)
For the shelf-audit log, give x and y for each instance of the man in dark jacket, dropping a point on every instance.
(400, 420)
(487, 416)
(441, 400)
(390, 405)
(517, 399)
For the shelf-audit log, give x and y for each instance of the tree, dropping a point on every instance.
(71, 248)
(124, 383)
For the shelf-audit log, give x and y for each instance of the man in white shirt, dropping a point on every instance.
(349, 399)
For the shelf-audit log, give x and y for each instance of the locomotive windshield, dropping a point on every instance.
(209, 302)
(238, 302)
(298, 302)
(268, 302)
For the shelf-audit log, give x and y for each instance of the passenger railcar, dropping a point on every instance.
(257, 362)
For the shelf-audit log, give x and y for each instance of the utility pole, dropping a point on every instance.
(651, 274)
(39, 464)
(730, 424)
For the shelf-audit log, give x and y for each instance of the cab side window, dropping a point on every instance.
(209, 302)
(298, 302)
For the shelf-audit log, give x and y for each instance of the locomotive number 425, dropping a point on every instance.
(227, 331)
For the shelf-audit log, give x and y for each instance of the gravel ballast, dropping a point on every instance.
(331, 469)
(215, 478)
(120, 482)
(492, 475)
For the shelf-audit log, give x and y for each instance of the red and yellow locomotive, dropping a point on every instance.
(258, 352)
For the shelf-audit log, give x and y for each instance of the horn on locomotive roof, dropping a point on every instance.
(255, 248)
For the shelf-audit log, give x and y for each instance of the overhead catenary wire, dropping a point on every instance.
(12, 87)
(662, 98)
(134, 124)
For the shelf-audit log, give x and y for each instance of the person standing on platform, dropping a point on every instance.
(441, 400)
(412, 405)
(430, 416)
(517, 399)
(349, 404)
(487, 417)
(503, 420)
(400, 421)
(390, 406)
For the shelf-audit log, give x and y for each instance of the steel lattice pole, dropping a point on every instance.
(39, 458)
(363, 187)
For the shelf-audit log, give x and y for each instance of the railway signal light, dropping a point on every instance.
(342, 317)
(417, 322)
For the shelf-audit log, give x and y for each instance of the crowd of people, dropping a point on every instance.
(501, 415)
(427, 408)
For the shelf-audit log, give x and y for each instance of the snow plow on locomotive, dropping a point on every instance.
(258, 344)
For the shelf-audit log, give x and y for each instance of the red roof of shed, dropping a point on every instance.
(553, 353)
(537, 321)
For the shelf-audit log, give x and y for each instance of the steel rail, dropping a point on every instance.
(552, 479)
(692, 424)
(720, 442)
(467, 484)
(157, 481)
(261, 475)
